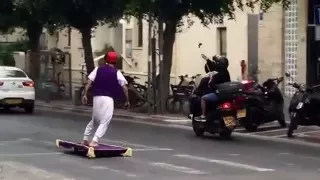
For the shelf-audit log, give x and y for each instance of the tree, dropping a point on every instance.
(87, 14)
(6, 9)
(32, 16)
(171, 12)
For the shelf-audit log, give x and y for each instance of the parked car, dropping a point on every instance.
(16, 89)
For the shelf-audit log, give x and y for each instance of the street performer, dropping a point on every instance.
(108, 84)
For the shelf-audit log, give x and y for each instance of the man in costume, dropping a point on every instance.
(108, 84)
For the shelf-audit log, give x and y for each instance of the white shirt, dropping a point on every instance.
(121, 79)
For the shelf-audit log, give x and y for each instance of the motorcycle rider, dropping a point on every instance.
(207, 86)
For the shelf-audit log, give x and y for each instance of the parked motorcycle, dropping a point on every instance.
(303, 107)
(222, 117)
(264, 104)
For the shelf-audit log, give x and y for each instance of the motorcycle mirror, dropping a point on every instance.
(287, 74)
(199, 45)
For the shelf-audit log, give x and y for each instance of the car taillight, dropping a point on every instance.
(1, 83)
(28, 84)
(226, 105)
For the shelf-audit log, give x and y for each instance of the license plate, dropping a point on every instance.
(13, 101)
(242, 113)
(229, 121)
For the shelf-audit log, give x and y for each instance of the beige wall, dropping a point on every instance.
(302, 39)
(270, 48)
(187, 56)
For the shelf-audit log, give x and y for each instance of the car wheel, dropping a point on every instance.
(29, 110)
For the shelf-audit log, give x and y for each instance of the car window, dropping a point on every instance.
(12, 74)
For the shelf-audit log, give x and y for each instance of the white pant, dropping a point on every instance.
(102, 113)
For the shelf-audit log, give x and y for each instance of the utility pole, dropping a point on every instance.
(154, 73)
(160, 44)
(149, 65)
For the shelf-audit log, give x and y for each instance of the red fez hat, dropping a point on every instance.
(111, 57)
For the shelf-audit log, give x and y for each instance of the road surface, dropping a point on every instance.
(27, 150)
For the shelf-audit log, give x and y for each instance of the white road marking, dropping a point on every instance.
(263, 126)
(177, 120)
(3, 143)
(176, 168)
(126, 143)
(284, 153)
(223, 162)
(301, 134)
(273, 130)
(113, 170)
(156, 149)
(290, 164)
(29, 154)
(234, 154)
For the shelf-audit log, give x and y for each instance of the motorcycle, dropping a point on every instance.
(264, 104)
(222, 117)
(303, 107)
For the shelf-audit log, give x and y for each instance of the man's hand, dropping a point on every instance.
(84, 99)
(204, 56)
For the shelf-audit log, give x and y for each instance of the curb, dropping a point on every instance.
(117, 115)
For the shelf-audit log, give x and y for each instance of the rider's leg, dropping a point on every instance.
(211, 97)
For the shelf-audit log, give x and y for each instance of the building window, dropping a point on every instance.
(140, 33)
(128, 43)
(222, 40)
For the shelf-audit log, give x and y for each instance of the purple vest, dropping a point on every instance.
(106, 83)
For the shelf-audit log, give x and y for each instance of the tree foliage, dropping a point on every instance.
(87, 14)
(6, 10)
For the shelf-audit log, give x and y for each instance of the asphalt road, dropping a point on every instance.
(27, 149)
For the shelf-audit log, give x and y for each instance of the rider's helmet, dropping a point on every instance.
(111, 57)
(222, 62)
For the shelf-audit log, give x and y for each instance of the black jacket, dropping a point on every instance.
(205, 87)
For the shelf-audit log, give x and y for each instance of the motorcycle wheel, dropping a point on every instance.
(198, 128)
(247, 122)
(293, 125)
(226, 134)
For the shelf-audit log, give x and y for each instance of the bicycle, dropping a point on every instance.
(180, 95)
(82, 88)
(137, 92)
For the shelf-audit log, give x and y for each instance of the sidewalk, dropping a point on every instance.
(119, 113)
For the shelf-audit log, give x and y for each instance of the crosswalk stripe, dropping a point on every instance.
(223, 162)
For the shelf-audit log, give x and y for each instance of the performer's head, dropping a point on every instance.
(111, 57)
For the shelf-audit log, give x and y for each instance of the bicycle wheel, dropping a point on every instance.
(173, 105)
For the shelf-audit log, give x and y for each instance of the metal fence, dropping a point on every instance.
(52, 74)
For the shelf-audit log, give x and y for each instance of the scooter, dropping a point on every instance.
(222, 117)
(264, 104)
(303, 107)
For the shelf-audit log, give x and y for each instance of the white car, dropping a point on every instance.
(16, 89)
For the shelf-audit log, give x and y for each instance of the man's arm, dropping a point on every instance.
(123, 83)
(86, 88)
